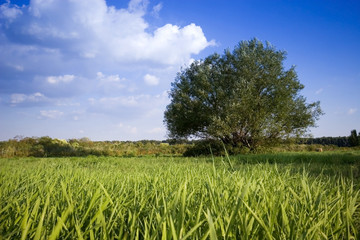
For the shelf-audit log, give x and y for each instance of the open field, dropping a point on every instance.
(273, 196)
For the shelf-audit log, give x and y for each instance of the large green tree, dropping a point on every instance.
(244, 97)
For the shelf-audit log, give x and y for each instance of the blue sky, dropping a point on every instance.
(102, 69)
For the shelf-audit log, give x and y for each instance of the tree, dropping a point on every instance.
(243, 97)
(353, 139)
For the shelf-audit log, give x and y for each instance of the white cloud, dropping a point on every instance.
(90, 29)
(171, 44)
(352, 111)
(53, 114)
(110, 82)
(156, 10)
(151, 80)
(93, 62)
(111, 78)
(138, 6)
(60, 79)
(18, 98)
(9, 13)
(111, 102)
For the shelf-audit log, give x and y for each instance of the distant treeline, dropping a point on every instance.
(49, 147)
(351, 141)
(337, 141)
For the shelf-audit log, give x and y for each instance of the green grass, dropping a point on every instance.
(278, 196)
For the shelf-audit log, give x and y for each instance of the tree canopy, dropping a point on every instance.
(354, 139)
(244, 97)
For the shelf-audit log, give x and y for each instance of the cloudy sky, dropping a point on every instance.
(102, 69)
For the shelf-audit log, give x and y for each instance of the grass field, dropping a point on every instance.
(273, 196)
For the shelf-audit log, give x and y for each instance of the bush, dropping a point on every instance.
(213, 147)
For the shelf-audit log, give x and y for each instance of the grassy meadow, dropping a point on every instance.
(268, 196)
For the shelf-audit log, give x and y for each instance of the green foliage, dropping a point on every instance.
(245, 96)
(213, 147)
(354, 139)
(180, 198)
(205, 148)
(337, 141)
(48, 147)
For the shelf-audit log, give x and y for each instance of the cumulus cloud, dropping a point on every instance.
(59, 87)
(17, 98)
(151, 80)
(91, 29)
(110, 83)
(93, 61)
(110, 78)
(56, 47)
(9, 13)
(60, 79)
